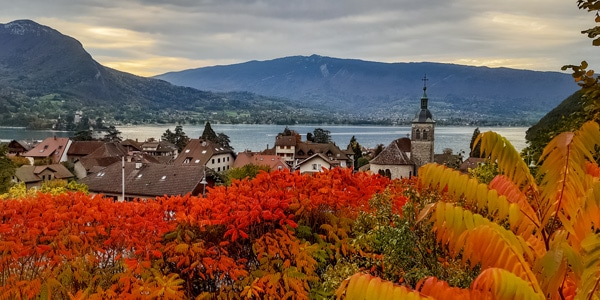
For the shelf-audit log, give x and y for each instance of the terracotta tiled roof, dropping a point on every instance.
(108, 150)
(83, 148)
(149, 180)
(285, 140)
(129, 143)
(199, 152)
(272, 161)
(50, 147)
(393, 155)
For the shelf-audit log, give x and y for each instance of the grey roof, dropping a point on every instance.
(199, 152)
(29, 173)
(393, 154)
(424, 115)
(149, 180)
(307, 149)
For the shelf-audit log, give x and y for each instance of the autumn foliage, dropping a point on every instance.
(274, 236)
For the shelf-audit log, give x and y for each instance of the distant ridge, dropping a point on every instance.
(390, 90)
(45, 75)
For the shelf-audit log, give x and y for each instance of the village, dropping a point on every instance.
(129, 169)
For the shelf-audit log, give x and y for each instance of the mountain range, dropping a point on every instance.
(46, 76)
(391, 90)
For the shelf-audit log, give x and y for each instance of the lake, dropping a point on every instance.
(258, 137)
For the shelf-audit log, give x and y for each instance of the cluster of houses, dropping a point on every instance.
(128, 169)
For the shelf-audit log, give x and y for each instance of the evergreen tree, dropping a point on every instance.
(224, 140)
(321, 136)
(112, 135)
(475, 152)
(357, 149)
(209, 134)
(177, 138)
(83, 135)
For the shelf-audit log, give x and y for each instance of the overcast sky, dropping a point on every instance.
(150, 37)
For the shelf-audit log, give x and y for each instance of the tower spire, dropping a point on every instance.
(424, 97)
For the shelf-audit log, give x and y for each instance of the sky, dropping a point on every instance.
(151, 37)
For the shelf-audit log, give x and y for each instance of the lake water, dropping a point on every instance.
(258, 137)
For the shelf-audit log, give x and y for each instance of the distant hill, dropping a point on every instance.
(464, 94)
(45, 75)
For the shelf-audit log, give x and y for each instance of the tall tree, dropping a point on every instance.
(224, 140)
(475, 152)
(112, 134)
(177, 138)
(83, 135)
(357, 149)
(7, 169)
(209, 134)
(322, 136)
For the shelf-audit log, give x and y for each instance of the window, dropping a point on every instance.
(187, 160)
(219, 169)
(163, 178)
(314, 166)
(197, 161)
(424, 134)
(187, 150)
(218, 160)
(417, 134)
(213, 161)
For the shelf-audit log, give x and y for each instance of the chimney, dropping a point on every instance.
(55, 137)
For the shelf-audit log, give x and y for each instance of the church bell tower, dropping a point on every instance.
(422, 135)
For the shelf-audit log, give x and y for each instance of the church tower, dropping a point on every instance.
(422, 136)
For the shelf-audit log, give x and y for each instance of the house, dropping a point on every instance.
(404, 156)
(294, 151)
(274, 162)
(35, 176)
(101, 157)
(18, 148)
(131, 145)
(471, 163)
(52, 150)
(314, 164)
(285, 145)
(164, 151)
(81, 149)
(148, 180)
(205, 153)
(394, 160)
(336, 156)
